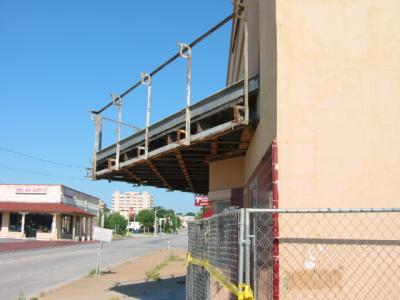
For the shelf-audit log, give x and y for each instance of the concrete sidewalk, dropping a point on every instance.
(132, 280)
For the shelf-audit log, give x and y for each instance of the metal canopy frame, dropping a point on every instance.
(218, 131)
(174, 153)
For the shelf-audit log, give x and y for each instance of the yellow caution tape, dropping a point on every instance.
(243, 292)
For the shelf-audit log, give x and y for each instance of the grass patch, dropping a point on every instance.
(21, 296)
(91, 273)
(174, 257)
(154, 274)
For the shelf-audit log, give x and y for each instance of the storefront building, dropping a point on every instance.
(46, 212)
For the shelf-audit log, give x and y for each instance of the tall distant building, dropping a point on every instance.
(102, 205)
(137, 201)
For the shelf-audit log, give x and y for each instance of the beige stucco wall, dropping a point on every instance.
(226, 174)
(338, 103)
(4, 224)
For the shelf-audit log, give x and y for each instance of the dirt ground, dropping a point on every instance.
(128, 280)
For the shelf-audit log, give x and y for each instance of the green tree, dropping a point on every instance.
(146, 218)
(190, 214)
(115, 220)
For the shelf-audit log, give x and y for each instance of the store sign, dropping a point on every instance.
(102, 234)
(200, 200)
(31, 189)
(131, 214)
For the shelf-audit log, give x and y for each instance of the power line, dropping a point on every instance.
(170, 60)
(41, 159)
(40, 174)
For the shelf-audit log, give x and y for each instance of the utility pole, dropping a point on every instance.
(155, 221)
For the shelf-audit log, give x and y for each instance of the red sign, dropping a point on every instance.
(131, 213)
(200, 200)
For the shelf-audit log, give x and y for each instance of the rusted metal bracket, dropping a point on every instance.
(184, 169)
(145, 79)
(185, 51)
(141, 151)
(117, 100)
(237, 115)
(179, 133)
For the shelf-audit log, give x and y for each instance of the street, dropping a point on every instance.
(34, 271)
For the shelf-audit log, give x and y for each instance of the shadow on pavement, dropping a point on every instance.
(166, 289)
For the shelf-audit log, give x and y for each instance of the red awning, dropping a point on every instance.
(42, 208)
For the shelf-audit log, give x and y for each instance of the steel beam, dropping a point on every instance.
(184, 169)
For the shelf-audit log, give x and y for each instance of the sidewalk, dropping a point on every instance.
(157, 276)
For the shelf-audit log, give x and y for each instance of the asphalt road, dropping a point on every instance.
(34, 271)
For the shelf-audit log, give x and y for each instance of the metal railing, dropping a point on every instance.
(295, 254)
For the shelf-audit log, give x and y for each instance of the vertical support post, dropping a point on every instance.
(99, 259)
(275, 219)
(247, 247)
(117, 100)
(23, 225)
(97, 141)
(255, 267)
(155, 222)
(246, 67)
(54, 227)
(146, 80)
(241, 245)
(73, 227)
(186, 52)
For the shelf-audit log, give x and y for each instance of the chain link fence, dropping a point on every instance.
(326, 254)
(213, 241)
(297, 254)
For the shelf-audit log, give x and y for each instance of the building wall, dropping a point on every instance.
(338, 102)
(48, 193)
(81, 200)
(218, 174)
(4, 224)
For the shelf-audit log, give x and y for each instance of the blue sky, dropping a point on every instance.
(61, 59)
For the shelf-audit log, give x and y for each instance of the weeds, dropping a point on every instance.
(91, 273)
(174, 257)
(154, 274)
(21, 296)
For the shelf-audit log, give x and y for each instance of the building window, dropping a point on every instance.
(44, 223)
(66, 224)
(15, 222)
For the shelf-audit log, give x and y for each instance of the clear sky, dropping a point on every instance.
(61, 59)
